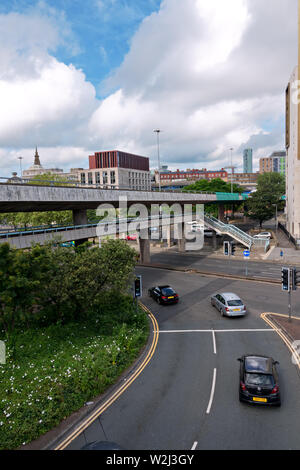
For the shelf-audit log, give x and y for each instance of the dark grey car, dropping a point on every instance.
(229, 304)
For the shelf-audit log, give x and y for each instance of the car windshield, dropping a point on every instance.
(234, 303)
(167, 291)
(260, 379)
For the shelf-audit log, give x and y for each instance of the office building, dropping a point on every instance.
(248, 161)
(275, 163)
(117, 169)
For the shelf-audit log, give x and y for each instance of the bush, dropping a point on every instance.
(57, 368)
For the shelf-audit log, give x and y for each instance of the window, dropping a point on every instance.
(97, 176)
(260, 380)
(112, 177)
(82, 178)
(90, 178)
(234, 303)
(105, 177)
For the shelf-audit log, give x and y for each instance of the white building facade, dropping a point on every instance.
(293, 158)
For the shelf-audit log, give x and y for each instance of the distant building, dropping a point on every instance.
(167, 176)
(244, 178)
(37, 169)
(248, 161)
(117, 169)
(275, 163)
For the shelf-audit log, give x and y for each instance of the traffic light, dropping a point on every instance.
(295, 278)
(226, 248)
(232, 247)
(138, 287)
(285, 276)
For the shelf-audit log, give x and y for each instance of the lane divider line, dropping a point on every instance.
(214, 341)
(121, 390)
(212, 392)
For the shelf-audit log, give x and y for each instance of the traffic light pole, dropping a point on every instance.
(290, 305)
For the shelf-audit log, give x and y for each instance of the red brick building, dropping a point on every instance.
(193, 175)
(117, 159)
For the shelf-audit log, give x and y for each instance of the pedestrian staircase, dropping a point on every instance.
(236, 233)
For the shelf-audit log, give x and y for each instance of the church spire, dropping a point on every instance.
(37, 158)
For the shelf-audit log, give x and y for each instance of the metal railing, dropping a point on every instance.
(236, 233)
(25, 231)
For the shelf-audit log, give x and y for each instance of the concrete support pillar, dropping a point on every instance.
(168, 230)
(181, 238)
(214, 240)
(221, 214)
(80, 218)
(144, 244)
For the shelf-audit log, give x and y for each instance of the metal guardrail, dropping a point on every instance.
(64, 228)
(236, 233)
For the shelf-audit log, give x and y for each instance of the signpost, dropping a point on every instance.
(246, 258)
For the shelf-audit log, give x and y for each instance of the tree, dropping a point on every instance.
(216, 185)
(261, 205)
(34, 219)
(50, 284)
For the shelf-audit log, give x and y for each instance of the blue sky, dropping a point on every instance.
(83, 76)
(100, 30)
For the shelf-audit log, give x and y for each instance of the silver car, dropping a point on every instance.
(229, 304)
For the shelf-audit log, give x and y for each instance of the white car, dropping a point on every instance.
(265, 235)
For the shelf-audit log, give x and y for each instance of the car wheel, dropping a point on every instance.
(222, 312)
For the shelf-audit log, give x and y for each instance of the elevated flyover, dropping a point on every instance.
(24, 197)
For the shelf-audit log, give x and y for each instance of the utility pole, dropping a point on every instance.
(231, 150)
(157, 131)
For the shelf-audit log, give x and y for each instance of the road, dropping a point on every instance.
(187, 397)
(256, 269)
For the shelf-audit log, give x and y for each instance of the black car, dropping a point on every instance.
(163, 294)
(259, 380)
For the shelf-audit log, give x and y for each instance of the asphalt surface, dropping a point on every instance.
(259, 269)
(175, 403)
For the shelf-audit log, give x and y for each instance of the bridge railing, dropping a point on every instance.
(25, 231)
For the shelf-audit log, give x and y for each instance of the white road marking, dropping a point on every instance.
(214, 342)
(194, 445)
(212, 392)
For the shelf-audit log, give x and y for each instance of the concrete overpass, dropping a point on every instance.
(30, 198)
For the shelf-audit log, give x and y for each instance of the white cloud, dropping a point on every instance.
(211, 75)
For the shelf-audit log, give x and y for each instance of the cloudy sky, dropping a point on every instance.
(78, 77)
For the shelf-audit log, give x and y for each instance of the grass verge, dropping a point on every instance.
(56, 369)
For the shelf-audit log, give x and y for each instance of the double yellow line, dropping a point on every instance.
(279, 331)
(120, 390)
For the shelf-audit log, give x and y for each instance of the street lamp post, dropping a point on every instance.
(157, 131)
(276, 217)
(231, 171)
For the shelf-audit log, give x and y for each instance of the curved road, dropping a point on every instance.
(187, 397)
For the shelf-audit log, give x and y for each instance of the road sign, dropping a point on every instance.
(246, 253)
